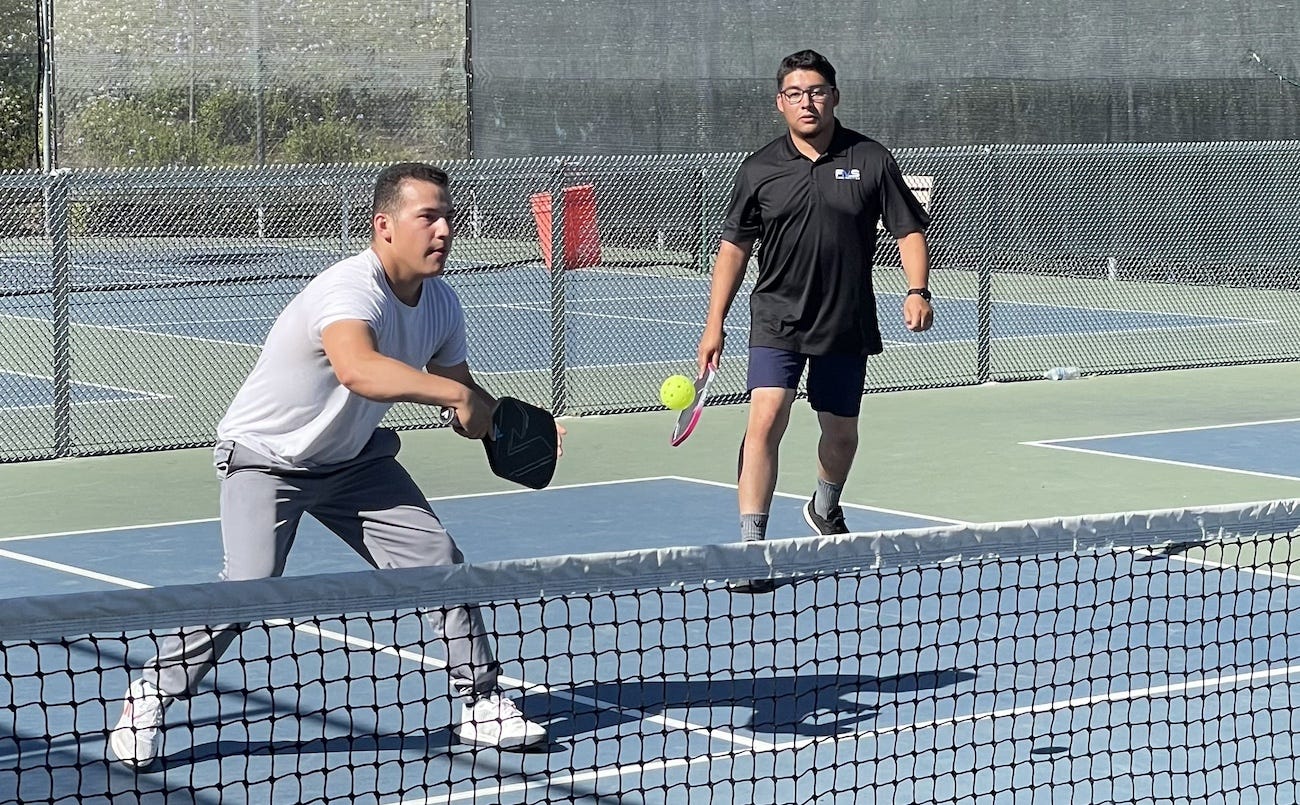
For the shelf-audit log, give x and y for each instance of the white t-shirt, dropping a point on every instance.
(292, 407)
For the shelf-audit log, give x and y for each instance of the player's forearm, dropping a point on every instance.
(913, 252)
(383, 379)
(728, 274)
(461, 374)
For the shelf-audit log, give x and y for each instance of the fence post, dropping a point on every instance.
(559, 322)
(701, 225)
(61, 295)
(345, 220)
(984, 274)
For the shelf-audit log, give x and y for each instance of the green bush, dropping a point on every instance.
(227, 117)
(300, 124)
(19, 80)
(322, 142)
(123, 132)
(17, 127)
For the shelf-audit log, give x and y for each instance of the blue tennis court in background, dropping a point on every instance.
(614, 317)
(1270, 449)
(913, 683)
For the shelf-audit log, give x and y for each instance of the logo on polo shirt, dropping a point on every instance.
(854, 174)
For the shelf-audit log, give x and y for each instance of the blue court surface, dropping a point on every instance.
(615, 317)
(624, 515)
(1269, 449)
(1120, 676)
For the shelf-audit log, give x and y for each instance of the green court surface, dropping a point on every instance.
(949, 453)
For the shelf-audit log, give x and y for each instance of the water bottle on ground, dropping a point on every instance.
(1062, 373)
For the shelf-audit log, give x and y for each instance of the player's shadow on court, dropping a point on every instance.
(432, 742)
(808, 705)
(813, 705)
(365, 737)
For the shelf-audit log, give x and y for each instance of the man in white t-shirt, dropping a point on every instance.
(302, 436)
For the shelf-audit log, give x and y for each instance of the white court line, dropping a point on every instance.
(1062, 444)
(117, 329)
(1254, 570)
(670, 723)
(200, 520)
(750, 746)
(1043, 442)
(1169, 461)
(627, 365)
(73, 570)
(136, 395)
(725, 736)
(660, 765)
(111, 270)
(84, 403)
(1066, 704)
(35, 376)
(862, 506)
(698, 324)
(934, 341)
(141, 326)
(1083, 701)
(1206, 320)
(1069, 306)
(88, 384)
(468, 495)
(544, 306)
(579, 485)
(90, 531)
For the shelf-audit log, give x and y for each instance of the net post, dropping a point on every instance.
(61, 265)
(558, 269)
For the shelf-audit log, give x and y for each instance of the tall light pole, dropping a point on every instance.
(45, 55)
(258, 101)
(194, 140)
(259, 110)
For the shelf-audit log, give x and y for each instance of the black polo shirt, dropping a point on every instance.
(816, 225)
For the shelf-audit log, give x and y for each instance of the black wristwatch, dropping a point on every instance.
(924, 293)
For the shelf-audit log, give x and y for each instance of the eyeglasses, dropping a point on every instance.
(815, 94)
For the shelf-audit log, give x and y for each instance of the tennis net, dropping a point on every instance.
(1137, 657)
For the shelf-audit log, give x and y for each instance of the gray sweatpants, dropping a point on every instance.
(372, 503)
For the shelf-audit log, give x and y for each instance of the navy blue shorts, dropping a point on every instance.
(835, 382)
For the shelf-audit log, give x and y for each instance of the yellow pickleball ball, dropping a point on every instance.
(677, 392)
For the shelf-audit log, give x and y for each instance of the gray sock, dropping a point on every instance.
(826, 497)
(753, 527)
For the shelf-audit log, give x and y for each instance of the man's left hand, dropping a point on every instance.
(918, 315)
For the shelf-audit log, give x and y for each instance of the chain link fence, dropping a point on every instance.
(133, 302)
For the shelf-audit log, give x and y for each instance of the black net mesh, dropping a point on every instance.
(1130, 658)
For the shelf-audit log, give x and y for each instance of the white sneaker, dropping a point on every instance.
(494, 720)
(134, 740)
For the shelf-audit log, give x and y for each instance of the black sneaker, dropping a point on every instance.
(753, 586)
(832, 523)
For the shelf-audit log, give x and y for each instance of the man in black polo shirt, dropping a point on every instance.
(812, 200)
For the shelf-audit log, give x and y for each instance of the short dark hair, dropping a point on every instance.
(388, 186)
(805, 60)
